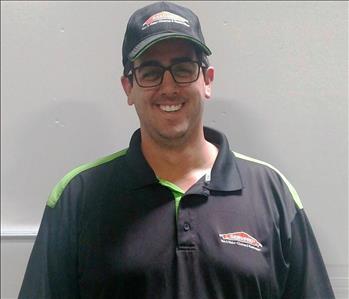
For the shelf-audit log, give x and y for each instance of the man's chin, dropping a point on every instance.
(173, 137)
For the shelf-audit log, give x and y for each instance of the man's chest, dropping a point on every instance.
(213, 242)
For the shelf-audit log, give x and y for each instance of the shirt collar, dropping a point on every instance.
(138, 168)
(225, 175)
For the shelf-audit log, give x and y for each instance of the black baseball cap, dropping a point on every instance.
(156, 22)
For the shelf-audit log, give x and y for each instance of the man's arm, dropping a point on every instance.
(52, 267)
(307, 276)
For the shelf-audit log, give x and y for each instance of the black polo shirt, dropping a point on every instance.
(110, 231)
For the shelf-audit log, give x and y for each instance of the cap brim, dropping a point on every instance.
(148, 42)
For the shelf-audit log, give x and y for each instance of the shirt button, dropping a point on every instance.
(186, 226)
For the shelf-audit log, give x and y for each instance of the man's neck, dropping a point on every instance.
(182, 165)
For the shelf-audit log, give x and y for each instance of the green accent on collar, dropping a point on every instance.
(62, 184)
(176, 191)
(289, 185)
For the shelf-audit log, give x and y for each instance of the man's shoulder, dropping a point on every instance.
(253, 164)
(254, 169)
(89, 171)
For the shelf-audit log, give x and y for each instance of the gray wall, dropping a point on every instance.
(280, 95)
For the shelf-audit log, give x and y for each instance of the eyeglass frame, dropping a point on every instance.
(200, 63)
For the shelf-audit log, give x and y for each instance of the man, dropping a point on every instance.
(177, 214)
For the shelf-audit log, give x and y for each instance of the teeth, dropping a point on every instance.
(170, 108)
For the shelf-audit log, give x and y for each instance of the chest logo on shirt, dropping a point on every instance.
(241, 239)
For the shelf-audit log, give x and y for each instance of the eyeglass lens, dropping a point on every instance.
(182, 72)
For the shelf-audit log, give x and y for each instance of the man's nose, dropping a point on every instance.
(168, 84)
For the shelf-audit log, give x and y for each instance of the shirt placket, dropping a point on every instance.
(187, 226)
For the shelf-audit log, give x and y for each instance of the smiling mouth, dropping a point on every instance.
(171, 108)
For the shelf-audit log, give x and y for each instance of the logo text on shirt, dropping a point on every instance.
(241, 239)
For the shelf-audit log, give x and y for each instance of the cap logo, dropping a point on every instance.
(241, 239)
(165, 17)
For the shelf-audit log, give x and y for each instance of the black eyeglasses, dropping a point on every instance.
(153, 75)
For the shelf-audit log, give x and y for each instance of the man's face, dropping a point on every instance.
(170, 113)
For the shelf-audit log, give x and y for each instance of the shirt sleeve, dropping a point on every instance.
(52, 268)
(307, 278)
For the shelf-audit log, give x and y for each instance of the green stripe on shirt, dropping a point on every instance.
(289, 185)
(62, 184)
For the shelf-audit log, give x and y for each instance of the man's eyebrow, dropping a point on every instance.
(182, 59)
(157, 63)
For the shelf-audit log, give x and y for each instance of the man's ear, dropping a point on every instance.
(208, 78)
(127, 86)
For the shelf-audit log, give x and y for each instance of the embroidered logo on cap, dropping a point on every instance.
(241, 239)
(165, 17)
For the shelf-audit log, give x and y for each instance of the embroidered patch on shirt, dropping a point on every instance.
(241, 239)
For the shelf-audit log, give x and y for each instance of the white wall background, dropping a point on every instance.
(280, 95)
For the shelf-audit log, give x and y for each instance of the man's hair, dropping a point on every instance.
(202, 57)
